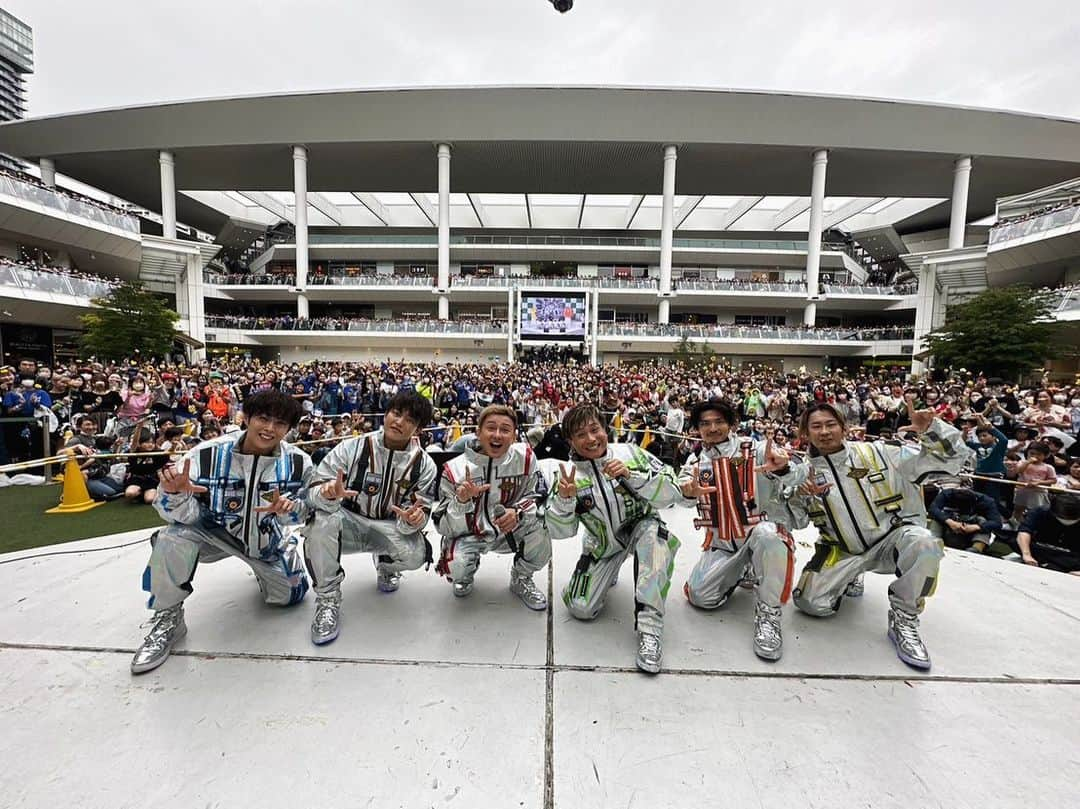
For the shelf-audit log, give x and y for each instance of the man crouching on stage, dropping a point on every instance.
(230, 496)
(614, 490)
(487, 503)
(371, 494)
(865, 501)
(741, 488)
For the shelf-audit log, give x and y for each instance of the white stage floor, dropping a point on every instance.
(426, 700)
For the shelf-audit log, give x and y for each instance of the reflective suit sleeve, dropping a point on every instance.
(450, 514)
(653, 480)
(181, 508)
(339, 459)
(299, 515)
(561, 516)
(941, 449)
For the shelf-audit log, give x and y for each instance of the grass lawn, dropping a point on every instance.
(26, 525)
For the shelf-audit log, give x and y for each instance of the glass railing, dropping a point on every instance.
(431, 240)
(726, 332)
(347, 324)
(247, 279)
(867, 289)
(372, 280)
(792, 288)
(1008, 231)
(54, 282)
(57, 200)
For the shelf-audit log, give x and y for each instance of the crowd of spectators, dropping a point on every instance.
(1025, 435)
(67, 192)
(398, 323)
(48, 272)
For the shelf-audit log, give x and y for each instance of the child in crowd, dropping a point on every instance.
(1035, 472)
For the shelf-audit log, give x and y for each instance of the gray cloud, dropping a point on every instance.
(119, 52)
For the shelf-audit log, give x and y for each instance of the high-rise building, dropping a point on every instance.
(16, 60)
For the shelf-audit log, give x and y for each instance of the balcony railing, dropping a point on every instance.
(356, 324)
(726, 332)
(731, 285)
(55, 282)
(248, 279)
(1008, 231)
(867, 289)
(431, 240)
(58, 200)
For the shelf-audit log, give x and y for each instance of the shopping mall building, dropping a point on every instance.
(472, 223)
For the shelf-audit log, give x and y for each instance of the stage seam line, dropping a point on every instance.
(549, 700)
(566, 668)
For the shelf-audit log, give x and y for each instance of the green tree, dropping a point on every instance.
(1005, 331)
(129, 319)
(693, 355)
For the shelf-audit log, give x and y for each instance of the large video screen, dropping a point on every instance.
(553, 317)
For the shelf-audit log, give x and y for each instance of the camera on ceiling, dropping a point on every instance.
(562, 6)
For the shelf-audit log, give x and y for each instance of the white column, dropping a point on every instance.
(667, 227)
(443, 279)
(958, 218)
(196, 304)
(813, 250)
(594, 319)
(299, 156)
(168, 194)
(510, 317)
(926, 304)
(48, 172)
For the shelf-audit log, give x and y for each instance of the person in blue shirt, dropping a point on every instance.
(990, 447)
(350, 397)
(24, 440)
(963, 518)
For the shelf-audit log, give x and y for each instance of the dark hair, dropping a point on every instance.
(719, 405)
(273, 405)
(981, 430)
(411, 404)
(817, 407)
(577, 417)
(84, 419)
(1039, 446)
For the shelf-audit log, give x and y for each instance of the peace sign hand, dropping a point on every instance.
(567, 484)
(920, 419)
(469, 489)
(335, 489)
(812, 489)
(775, 458)
(178, 481)
(693, 488)
(415, 515)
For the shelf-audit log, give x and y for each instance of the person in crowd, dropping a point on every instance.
(614, 491)
(1050, 537)
(866, 503)
(1032, 473)
(370, 494)
(488, 500)
(1071, 479)
(141, 475)
(237, 496)
(740, 487)
(990, 446)
(962, 517)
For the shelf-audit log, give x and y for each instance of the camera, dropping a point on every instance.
(562, 6)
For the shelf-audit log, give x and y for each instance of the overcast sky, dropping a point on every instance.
(1008, 55)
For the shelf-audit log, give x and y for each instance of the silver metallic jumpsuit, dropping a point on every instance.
(365, 524)
(873, 519)
(620, 518)
(746, 521)
(468, 530)
(222, 522)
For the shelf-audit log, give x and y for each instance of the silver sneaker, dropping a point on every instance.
(904, 633)
(768, 639)
(855, 588)
(524, 588)
(649, 652)
(327, 621)
(388, 581)
(463, 588)
(168, 628)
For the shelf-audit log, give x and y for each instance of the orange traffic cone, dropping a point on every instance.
(74, 497)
